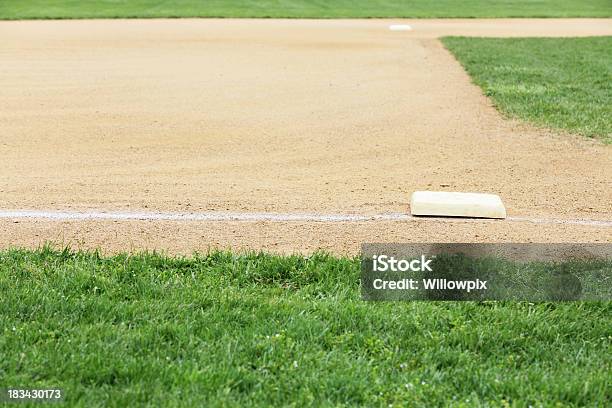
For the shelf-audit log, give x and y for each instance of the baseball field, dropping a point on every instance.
(299, 135)
(273, 139)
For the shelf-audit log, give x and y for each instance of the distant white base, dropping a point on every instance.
(451, 204)
(400, 27)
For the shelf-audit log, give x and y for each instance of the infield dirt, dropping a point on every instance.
(288, 116)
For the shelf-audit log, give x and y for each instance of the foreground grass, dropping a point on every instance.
(257, 329)
(562, 83)
(30, 9)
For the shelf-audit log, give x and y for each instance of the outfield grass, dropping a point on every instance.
(228, 330)
(561, 83)
(30, 9)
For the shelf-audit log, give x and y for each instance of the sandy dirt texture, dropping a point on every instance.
(185, 238)
(287, 116)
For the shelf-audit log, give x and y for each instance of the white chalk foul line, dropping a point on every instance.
(264, 216)
(600, 223)
(207, 216)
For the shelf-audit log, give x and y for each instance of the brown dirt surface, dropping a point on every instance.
(281, 116)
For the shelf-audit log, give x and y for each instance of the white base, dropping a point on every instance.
(451, 204)
(400, 27)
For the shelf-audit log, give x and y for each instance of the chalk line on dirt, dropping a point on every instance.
(265, 216)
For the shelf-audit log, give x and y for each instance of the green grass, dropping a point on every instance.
(30, 9)
(560, 83)
(256, 329)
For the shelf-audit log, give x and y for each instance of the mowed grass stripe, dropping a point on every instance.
(560, 83)
(227, 329)
(34, 9)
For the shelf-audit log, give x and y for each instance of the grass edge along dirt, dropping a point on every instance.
(229, 329)
(559, 83)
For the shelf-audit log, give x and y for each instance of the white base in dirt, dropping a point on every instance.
(452, 204)
(400, 27)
